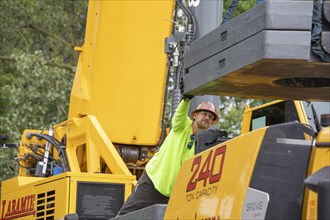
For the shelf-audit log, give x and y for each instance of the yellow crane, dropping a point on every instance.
(278, 167)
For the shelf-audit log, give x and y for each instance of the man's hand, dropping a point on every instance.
(181, 85)
(185, 97)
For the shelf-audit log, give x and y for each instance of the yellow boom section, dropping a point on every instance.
(121, 72)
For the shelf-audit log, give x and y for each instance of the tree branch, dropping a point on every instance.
(54, 36)
(59, 65)
(6, 58)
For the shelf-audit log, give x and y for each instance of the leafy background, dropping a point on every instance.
(37, 66)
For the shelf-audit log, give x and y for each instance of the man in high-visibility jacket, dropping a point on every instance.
(156, 183)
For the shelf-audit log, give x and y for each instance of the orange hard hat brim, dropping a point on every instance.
(216, 117)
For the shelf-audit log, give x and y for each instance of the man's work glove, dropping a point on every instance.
(185, 97)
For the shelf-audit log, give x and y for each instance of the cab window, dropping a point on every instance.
(274, 114)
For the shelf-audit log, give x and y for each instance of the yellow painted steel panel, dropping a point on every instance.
(213, 184)
(52, 198)
(121, 72)
(31, 198)
(43, 198)
(320, 158)
(19, 204)
(94, 178)
(88, 144)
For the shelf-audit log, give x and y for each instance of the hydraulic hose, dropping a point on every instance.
(176, 97)
(191, 22)
(35, 151)
(57, 141)
(53, 142)
(26, 155)
(176, 94)
(163, 127)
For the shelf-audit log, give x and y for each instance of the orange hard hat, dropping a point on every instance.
(207, 106)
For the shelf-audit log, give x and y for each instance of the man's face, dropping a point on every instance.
(203, 119)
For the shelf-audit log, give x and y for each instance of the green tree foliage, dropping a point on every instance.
(231, 112)
(37, 64)
(242, 6)
(8, 166)
(38, 93)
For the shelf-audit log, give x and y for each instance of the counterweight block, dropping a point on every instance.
(264, 53)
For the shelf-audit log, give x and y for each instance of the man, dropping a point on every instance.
(156, 183)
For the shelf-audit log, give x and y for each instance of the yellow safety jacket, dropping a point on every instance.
(165, 165)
